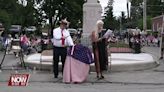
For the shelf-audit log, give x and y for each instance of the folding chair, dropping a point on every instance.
(15, 46)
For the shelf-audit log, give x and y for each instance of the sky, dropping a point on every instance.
(118, 6)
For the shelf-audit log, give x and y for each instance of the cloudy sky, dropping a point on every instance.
(119, 5)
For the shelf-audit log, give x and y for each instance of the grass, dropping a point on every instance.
(49, 46)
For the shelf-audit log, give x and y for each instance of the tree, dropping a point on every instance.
(154, 8)
(19, 13)
(140, 23)
(123, 20)
(27, 14)
(35, 12)
(74, 12)
(108, 16)
(136, 12)
(5, 19)
(55, 10)
(7, 9)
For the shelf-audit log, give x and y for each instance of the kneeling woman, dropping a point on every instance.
(76, 68)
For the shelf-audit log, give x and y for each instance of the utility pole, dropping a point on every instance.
(127, 6)
(144, 15)
(120, 25)
(162, 17)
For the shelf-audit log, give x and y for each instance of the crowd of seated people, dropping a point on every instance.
(15, 44)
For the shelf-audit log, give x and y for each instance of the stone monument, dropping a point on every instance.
(91, 13)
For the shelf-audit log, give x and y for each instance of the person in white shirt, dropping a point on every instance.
(8, 43)
(61, 40)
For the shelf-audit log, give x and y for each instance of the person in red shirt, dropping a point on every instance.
(24, 41)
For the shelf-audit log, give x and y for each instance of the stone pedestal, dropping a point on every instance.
(91, 13)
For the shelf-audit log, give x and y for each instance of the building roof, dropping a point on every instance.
(158, 17)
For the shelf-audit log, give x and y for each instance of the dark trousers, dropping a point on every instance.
(58, 52)
(137, 47)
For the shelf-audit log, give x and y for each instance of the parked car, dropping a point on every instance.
(30, 29)
(15, 28)
(72, 31)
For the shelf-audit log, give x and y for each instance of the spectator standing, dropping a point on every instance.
(61, 39)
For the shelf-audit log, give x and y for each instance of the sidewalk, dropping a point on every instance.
(154, 51)
(151, 80)
(144, 76)
(44, 80)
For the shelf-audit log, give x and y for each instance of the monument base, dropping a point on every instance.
(86, 40)
(117, 62)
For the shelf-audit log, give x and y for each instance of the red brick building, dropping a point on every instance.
(157, 23)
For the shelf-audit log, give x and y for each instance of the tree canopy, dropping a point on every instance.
(36, 12)
(110, 21)
(154, 8)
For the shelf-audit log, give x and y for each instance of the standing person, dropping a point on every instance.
(34, 44)
(44, 41)
(61, 39)
(24, 42)
(130, 39)
(4, 37)
(137, 43)
(162, 45)
(8, 43)
(99, 49)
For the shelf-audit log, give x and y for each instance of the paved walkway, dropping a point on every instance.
(150, 80)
